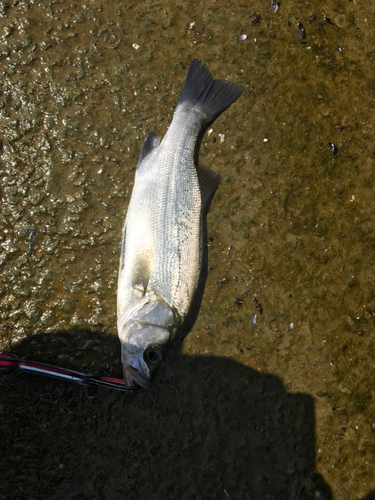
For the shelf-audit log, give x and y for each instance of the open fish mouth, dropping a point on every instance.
(133, 377)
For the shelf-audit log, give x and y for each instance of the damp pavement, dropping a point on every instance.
(272, 393)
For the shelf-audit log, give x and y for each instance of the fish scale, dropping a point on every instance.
(172, 209)
(162, 245)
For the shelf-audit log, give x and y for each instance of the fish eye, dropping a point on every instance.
(153, 355)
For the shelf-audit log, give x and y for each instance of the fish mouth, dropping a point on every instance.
(133, 377)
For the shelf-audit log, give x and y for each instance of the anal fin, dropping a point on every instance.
(150, 143)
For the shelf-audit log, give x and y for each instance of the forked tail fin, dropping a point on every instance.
(211, 96)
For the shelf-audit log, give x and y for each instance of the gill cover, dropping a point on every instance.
(145, 333)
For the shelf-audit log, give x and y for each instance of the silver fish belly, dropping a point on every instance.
(162, 244)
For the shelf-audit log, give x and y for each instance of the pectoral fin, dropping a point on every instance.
(141, 268)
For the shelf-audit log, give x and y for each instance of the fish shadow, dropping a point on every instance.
(209, 427)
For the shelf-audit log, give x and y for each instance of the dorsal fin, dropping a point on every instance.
(150, 143)
(208, 182)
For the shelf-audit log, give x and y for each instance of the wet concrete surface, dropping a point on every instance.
(272, 393)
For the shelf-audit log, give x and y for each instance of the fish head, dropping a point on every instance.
(143, 348)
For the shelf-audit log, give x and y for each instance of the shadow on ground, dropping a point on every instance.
(208, 428)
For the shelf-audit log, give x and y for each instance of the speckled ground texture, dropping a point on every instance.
(271, 396)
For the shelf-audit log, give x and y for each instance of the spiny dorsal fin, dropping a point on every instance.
(150, 143)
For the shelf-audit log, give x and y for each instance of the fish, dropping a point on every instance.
(162, 250)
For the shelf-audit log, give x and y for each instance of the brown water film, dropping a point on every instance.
(271, 395)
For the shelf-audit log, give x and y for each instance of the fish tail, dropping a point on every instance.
(211, 96)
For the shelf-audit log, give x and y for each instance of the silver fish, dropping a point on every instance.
(163, 236)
